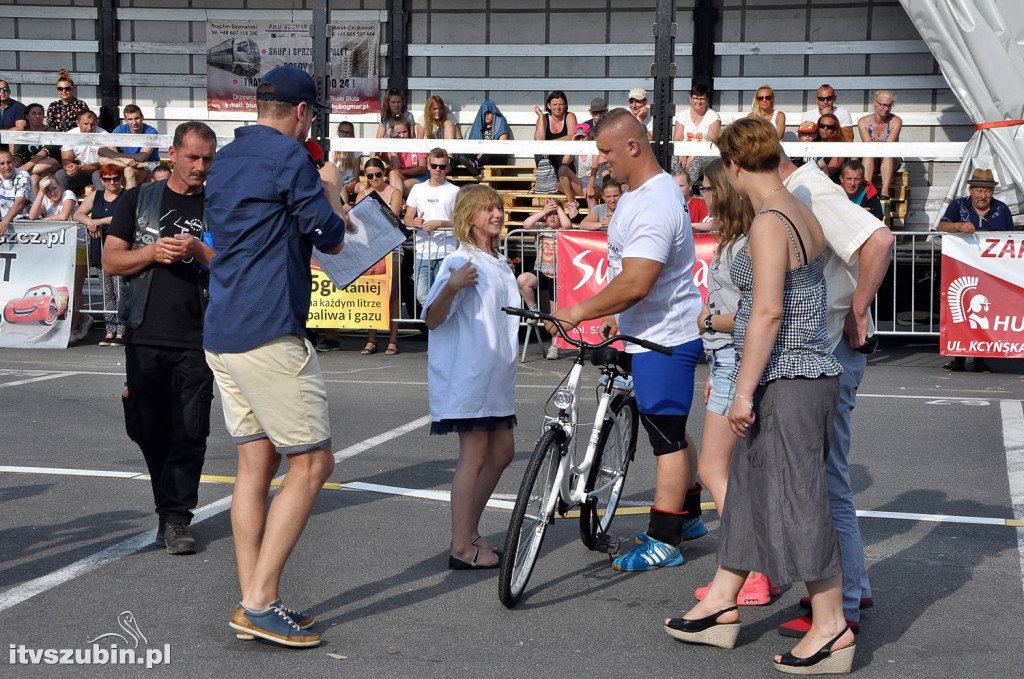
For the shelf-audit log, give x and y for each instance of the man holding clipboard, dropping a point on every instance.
(266, 210)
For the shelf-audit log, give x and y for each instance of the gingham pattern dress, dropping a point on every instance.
(776, 517)
(801, 348)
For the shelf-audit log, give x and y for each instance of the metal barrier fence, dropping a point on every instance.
(906, 304)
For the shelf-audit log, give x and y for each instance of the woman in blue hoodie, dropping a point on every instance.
(490, 124)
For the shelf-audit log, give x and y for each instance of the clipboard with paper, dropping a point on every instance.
(374, 232)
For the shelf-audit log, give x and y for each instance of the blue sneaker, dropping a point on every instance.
(303, 620)
(649, 555)
(694, 528)
(277, 624)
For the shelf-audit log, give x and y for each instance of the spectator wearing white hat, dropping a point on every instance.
(638, 106)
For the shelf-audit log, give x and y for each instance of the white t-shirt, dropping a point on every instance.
(693, 132)
(85, 153)
(649, 121)
(847, 227)
(472, 357)
(652, 222)
(51, 209)
(841, 114)
(433, 202)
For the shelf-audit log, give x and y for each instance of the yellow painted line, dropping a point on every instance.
(1016, 523)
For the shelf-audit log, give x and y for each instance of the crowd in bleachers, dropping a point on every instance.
(47, 181)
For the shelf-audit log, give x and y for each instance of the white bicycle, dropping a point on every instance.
(555, 480)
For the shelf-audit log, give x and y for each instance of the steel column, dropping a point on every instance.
(705, 20)
(398, 45)
(110, 80)
(664, 70)
(321, 35)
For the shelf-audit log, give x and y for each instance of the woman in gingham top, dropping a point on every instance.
(776, 516)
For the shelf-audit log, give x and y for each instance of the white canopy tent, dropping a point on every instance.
(979, 45)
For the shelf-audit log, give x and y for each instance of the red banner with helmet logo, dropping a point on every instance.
(582, 271)
(982, 295)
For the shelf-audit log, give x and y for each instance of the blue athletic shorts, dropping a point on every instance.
(664, 384)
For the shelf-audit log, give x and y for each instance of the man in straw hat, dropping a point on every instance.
(978, 210)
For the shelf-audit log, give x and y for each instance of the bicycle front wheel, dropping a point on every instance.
(607, 474)
(529, 521)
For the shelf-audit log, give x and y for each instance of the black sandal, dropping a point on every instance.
(824, 661)
(706, 630)
(370, 348)
(457, 564)
(496, 551)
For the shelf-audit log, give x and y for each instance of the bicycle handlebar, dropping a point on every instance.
(540, 316)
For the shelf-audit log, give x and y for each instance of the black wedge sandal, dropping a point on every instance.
(825, 661)
(707, 631)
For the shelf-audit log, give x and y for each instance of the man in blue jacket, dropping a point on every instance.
(266, 211)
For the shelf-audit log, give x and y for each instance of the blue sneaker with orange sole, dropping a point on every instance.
(277, 624)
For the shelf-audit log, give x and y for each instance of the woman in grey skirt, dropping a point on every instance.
(776, 517)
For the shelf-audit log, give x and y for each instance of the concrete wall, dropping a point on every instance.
(179, 91)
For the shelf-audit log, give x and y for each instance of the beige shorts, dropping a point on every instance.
(274, 391)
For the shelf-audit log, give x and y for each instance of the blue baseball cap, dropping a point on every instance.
(288, 84)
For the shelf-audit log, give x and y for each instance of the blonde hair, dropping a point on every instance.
(428, 116)
(754, 109)
(732, 214)
(751, 143)
(474, 198)
(885, 93)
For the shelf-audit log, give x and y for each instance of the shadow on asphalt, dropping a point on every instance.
(37, 550)
(899, 582)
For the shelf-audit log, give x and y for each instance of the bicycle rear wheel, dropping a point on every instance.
(529, 522)
(607, 475)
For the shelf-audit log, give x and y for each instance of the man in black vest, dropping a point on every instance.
(156, 242)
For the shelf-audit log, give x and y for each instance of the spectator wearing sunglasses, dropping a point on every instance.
(826, 98)
(429, 209)
(763, 106)
(828, 131)
(376, 182)
(12, 111)
(881, 126)
(63, 113)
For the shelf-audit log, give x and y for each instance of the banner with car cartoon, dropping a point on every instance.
(238, 53)
(37, 276)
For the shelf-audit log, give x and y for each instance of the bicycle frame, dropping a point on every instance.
(568, 423)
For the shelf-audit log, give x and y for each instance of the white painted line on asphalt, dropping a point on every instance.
(1013, 442)
(440, 495)
(43, 378)
(357, 448)
(69, 472)
(20, 593)
(937, 518)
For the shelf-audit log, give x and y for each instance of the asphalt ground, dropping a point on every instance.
(75, 550)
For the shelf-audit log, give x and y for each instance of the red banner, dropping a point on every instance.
(982, 295)
(582, 271)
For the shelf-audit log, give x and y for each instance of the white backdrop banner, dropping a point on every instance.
(37, 275)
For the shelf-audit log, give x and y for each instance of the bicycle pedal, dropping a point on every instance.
(562, 508)
(608, 544)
